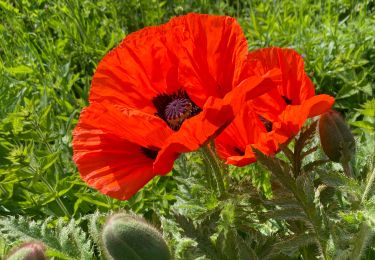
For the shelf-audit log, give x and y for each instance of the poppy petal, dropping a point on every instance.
(113, 166)
(296, 85)
(141, 67)
(246, 159)
(234, 143)
(293, 117)
(115, 149)
(212, 64)
(318, 105)
(140, 128)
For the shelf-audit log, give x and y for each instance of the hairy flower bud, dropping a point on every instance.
(130, 237)
(28, 251)
(337, 141)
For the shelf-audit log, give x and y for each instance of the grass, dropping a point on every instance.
(49, 51)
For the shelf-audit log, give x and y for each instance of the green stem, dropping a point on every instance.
(49, 187)
(215, 165)
(209, 174)
(58, 167)
(58, 200)
(361, 241)
(368, 185)
(287, 179)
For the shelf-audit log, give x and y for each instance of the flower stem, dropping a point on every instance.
(212, 160)
(58, 200)
(368, 186)
(52, 190)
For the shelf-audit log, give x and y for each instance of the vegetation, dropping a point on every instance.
(297, 205)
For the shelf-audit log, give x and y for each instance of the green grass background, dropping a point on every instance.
(49, 51)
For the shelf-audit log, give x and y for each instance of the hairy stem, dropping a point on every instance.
(369, 184)
(361, 241)
(212, 160)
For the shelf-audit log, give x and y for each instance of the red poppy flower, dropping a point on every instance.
(163, 91)
(273, 118)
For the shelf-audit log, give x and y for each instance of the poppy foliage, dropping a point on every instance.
(169, 89)
(273, 118)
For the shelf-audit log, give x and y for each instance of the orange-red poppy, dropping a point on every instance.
(273, 118)
(110, 153)
(186, 76)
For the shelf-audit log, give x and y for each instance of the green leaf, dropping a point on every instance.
(50, 160)
(340, 181)
(66, 240)
(92, 200)
(291, 245)
(22, 69)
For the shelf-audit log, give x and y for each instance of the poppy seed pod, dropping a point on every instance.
(28, 251)
(130, 237)
(337, 141)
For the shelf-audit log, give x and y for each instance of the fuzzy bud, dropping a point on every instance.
(131, 237)
(28, 251)
(337, 141)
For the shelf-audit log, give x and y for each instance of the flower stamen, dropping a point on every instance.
(174, 109)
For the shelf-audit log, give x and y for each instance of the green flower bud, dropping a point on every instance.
(28, 251)
(130, 237)
(337, 141)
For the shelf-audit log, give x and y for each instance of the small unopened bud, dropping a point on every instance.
(28, 251)
(337, 141)
(131, 237)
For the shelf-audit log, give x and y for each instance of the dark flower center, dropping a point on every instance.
(239, 151)
(287, 100)
(174, 109)
(267, 124)
(150, 153)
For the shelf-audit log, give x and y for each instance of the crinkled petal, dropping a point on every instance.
(296, 85)
(202, 54)
(113, 166)
(143, 66)
(109, 146)
(129, 124)
(214, 60)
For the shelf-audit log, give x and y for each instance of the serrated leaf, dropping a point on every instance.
(338, 180)
(290, 246)
(364, 124)
(67, 240)
(288, 214)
